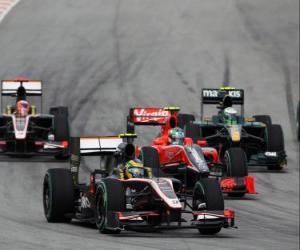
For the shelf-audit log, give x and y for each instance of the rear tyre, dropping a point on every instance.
(184, 119)
(58, 195)
(275, 143)
(61, 123)
(266, 119)
(61, 128)
(110, 197)
(150, 158)
(208, 191)
(193, 131)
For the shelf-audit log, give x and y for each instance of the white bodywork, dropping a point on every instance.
(161, 186)
(20, 125)
(11, 87)
(99, 144)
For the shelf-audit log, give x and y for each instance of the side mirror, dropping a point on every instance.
(188, 141)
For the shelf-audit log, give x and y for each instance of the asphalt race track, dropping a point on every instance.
(102, 57)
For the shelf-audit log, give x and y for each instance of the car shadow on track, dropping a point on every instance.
(173, 235)
(245, 198)
(265, 170)
(166, 234)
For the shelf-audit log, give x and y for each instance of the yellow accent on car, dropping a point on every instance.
(236, 136)
(135, 164)
(8, 110)
(207, 119)
(172, 108)
(250, 119)
(33, 110)
(127, 135)
(227, 88)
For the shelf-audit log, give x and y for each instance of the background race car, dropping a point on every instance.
(186, 160)
(24, 130)
(114, 203)
(249, 141)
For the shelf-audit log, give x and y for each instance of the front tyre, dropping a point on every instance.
(236, 166)
(207, 191)
(110, 198)
(275, 143)
(236, 162)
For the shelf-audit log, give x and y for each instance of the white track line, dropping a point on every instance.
(6, 6)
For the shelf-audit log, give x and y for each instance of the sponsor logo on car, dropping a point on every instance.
(210, 93)
(147, 115)
(271, 154)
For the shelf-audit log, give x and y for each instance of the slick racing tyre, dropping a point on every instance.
(207, 191)
(150, 158)
(184, 119)
(110, 197)
(236, 166)
(61, 128)
(275, 143)
(58, 195)
(61, 123)
(193, 131)
(266, 119)
(235, 160)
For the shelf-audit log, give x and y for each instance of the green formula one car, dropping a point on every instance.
(256, 138)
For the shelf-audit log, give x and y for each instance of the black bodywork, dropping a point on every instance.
(114, 204)
(38, 131)
(39, 128)
(253, 135)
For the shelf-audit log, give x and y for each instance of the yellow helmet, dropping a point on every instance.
(134, 169)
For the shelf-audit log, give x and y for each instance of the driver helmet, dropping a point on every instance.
(176, 136)
(134, 169)
(230, 116)
(22, 108)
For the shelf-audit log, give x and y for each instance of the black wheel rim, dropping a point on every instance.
(46, 198)
(198, 198)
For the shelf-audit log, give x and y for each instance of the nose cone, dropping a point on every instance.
(236, 136)
(235, 133)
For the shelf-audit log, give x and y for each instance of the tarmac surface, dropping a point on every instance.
(101, 57)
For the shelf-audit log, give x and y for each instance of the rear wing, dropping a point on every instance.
(216, 96)
(149, 116)
(98, 146)
(95, 145)
(10, 87)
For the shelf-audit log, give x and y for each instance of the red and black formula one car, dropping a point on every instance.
(186, 161)
(133, 200)
(24, 131)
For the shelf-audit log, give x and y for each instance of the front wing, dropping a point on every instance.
(135, 220)
(33, 148)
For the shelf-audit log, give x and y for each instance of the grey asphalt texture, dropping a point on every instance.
(101, 57)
